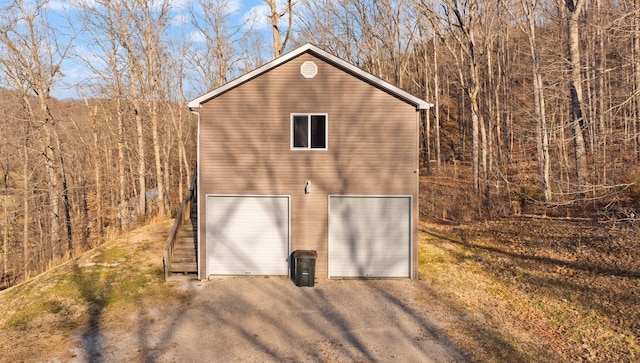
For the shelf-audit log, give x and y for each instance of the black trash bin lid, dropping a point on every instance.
(305, 253)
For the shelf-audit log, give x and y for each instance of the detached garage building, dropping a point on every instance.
(308, 152)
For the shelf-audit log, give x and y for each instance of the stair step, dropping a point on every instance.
(184, 267)
(184, 252)
(183, 260)
(186, 239)
(184, 246)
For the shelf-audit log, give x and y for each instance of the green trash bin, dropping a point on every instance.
(304, 267)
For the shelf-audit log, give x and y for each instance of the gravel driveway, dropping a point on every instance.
(256, 319)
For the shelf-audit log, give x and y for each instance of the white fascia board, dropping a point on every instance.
(196, 103)
(419, 103)
(409, 98)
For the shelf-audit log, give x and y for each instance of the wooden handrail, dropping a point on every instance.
(181, 216)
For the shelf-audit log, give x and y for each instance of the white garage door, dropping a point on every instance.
(369, 236)
(247, 235)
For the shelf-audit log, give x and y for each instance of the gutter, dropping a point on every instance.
(198, 190)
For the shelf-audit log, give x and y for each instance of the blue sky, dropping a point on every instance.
(75, 69)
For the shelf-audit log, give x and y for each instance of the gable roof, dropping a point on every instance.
(329, 58)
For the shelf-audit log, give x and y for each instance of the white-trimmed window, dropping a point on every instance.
(309, 131)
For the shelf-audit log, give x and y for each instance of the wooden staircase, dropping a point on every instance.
(184, 259)
(180, 253)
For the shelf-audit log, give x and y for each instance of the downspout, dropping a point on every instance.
(416, 208)
(198, 191)
(415, 268)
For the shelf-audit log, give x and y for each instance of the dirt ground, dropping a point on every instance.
(254, 319)
(111, 305)
(516, 290)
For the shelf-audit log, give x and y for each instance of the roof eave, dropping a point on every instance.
(197, 103)
(424, 106)
(397, 92)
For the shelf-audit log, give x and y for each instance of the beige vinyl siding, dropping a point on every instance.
(245, 146)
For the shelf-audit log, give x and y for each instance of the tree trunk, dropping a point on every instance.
(26, 195)
(66, 206)
(476, 116)
(575, 88)
(152, 63)
(97, 171)
(543, 134)
(142, 166)
(636, 70)
(278, 45)
(158, 159)
(436, 103)
(54, 202)
(426, 119)
(5, 234)
(475, 143)
(123, 210)
(542, 140)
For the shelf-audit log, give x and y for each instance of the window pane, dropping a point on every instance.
(300, 131)
(318, 132)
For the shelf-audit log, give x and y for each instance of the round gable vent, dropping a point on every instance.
(308, 69)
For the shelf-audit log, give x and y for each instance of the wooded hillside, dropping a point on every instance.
(536, 104)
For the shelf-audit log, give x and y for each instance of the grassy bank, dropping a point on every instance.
(538, 290)
(518, 290)
(45, 316)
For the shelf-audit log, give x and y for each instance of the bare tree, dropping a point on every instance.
(5, 221)
(151, 25)
(26, 196)
(97, 168)
(456, 25)
(334, 26)
(542, 141)
(31, 62)
(100, 19)
(636, 67)
(574, 7)
(279, 44)
(217, 59)
(436, 103)
(181, 121)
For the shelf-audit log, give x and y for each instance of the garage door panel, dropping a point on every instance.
(247, 235)
(369, 236)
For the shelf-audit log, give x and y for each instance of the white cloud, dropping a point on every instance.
(58, 5)
(258, 17)
(197, 37)
(179, 19)
(233, 6)
(83, 3)
(68, 5)
(179, 4)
